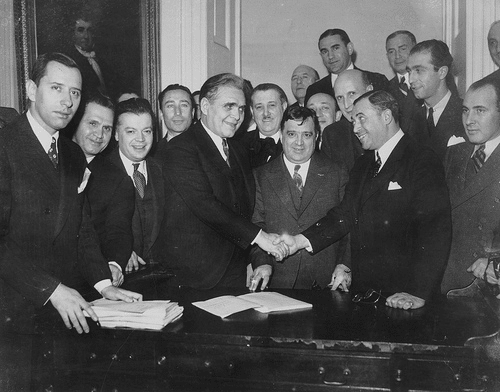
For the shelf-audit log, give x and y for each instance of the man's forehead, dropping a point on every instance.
(321, 99)
(266, 95)
(302, 71)
(306, 125)
(419, 58)
(494, 30)
(177, 94)
(331, 40)
(93, 108)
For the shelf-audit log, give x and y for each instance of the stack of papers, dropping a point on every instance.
(140, 315)
(263, 302)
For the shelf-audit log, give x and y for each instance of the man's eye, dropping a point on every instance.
(107, 129)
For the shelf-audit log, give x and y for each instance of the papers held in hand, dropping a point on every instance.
(139, 315)
(263, 302)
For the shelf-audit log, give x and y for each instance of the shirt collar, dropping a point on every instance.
(276, 136)
(216, 139)
(41, 134)
(130, 168)
(406, 76)
(385, 151)
(489, 147)
(439, 107)
(335, 76)
(304, 168)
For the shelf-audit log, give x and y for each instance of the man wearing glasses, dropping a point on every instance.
(396, 208)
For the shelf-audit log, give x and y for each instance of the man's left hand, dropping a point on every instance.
(117, 294)
(116, 274)
(404, 301)
(261, 273)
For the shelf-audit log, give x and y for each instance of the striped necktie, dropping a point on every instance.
(139, 180)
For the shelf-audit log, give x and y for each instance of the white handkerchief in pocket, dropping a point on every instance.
(455, 140)
(85, 180)
(394, 186)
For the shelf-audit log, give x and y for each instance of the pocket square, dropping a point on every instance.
(394, 186)
(85, 180)
(455, 140)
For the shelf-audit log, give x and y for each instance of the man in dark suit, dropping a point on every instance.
(325, 107)
(134, 121)
(293, 192)
(398, 46)
(431, 80)
(42, 224)
(336, 49)
(209, 195)
(268, 104)
(339, 141)
(396, 208)
(302, 77)
(109, 190)
(473, 175)
(7, 115)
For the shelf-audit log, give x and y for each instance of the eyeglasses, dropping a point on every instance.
(371, 296)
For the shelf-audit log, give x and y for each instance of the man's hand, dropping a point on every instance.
(341, 278)
(117, 275)
(404, 301)
(117, 294)
(294, 243)
(478, 269)
(262, 272)
(134, 263)
(70, 305)
(271, 244)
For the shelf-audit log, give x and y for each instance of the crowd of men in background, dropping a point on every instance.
(364, 184)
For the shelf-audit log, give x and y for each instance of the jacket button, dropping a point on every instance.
(474, 255)
(46, 211)
(318, 224)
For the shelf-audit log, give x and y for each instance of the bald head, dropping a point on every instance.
(494, 42)
(349, 86)
(302, 77)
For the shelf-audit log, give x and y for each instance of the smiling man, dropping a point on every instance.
(472, 174)
(396, 208)
(268, 101)
(293, 192)
(431, 80)
(209, 196)
(336, 50)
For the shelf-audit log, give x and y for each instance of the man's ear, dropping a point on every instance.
(443, 71)
(338, 115)
(350, 48)
(31, 90)
(369, 88)
(204, 104)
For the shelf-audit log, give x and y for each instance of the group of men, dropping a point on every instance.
(390, 193)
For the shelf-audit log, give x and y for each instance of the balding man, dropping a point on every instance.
(336, 50)
(339, 141)
(494, 47)
(302, 77)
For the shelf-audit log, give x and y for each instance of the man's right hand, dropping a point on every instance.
(294, 243)
(271, 244)
(134, 263)
(70, 305)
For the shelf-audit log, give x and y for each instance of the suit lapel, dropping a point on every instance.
(487, 175)
(211, 151)
(278, 178)
(315, 179)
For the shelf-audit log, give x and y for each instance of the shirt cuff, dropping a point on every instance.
(101, 285)
(257, 236)
(309, 247)
(48, 299)
(116, 265)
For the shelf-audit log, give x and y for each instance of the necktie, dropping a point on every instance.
(93, 63)
(430, 122)
(479, 157)
(53, 152)
(377, 164)
(225, 147)
(403, 86)
(139, 180)
(298, 178)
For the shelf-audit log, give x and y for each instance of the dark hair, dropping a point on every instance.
(211, 87)
(343, 35)
(195, 93)
(488, 81)
(382, 100)
(271, 86)
(136, 106)
(39, 69)
(440, 57)
(301, 114)
(409, 34)
(325, 93)
(173, 87)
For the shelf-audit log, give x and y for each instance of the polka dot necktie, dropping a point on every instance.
(53, 153)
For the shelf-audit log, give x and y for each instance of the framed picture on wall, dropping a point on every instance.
(120, 36)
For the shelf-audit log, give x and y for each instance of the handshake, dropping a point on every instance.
(281, 246)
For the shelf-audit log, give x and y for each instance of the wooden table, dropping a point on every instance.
(336, 345)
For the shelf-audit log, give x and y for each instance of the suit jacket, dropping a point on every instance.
(143, 245)
(42, 225)
(111, 196)
(341, 144)
(258, 150)
(275, 212)
(208, 209)
(378, 81)
(449, 124)
(7, 115)
(399, 222)
(408, 104)
(475, 207)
